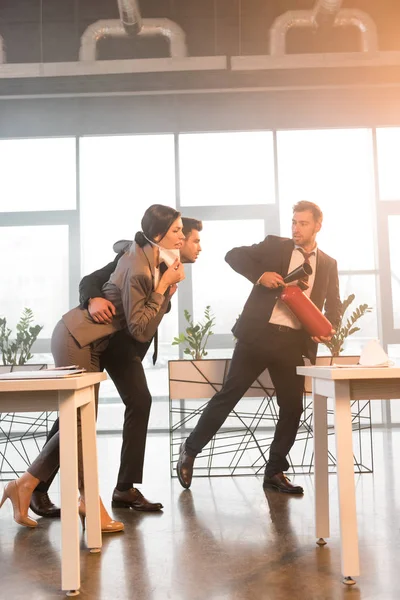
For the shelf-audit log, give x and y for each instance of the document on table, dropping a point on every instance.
(355, 366)
(60, 373)
(358, 366)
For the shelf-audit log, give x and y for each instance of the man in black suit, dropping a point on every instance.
(269, 336)
(122, 360)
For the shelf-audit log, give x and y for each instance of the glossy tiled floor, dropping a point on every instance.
(223, 540)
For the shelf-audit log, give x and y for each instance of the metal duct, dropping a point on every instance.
(325, 11)
(352, 17)
(168, 29)
(129, 13)
(115, 29)
(306, 18)
(98, 31)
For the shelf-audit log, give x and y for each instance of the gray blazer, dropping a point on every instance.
(131, 289)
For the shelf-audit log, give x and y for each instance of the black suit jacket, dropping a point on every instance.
(91, 285)
(274, 254)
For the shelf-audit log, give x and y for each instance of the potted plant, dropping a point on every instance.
(18, 351)
(347, 327)
(196, 336)
(15, 352)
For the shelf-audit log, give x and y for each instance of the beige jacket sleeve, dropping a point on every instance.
(143, 307)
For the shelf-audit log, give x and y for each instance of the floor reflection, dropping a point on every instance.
(224, 539)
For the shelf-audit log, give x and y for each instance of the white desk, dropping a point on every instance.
(343, 385)
(66, 395)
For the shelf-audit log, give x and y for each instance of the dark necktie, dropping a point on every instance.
(303, 282)
(163, 268)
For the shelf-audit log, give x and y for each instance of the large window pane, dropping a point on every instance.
(394, 245)
(37, 174)
(35, 274)
(226, 168)
(214, 282)
(364, 288)
(388, 141)
(334, 169)
(120, 177)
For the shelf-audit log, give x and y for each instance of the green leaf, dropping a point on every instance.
(17, 351)
(197, 334)
(336, 344)
(353, 330)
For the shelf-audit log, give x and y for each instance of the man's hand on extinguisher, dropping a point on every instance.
(322, 340)
(271, 280)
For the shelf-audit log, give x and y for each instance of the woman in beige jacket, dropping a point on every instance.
(140, 290)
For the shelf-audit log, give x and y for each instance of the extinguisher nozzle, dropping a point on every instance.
(303, 271)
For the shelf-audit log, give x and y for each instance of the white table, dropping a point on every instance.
(66, 395)
(343, 385)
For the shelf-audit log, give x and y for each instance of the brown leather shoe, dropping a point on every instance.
(43, 506)
(133, 499)
(280, 482)
(184, 467)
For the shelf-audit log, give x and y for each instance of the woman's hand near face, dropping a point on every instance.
(174, 274)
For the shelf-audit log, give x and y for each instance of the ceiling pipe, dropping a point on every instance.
(306, 18)
(100, 30)
(131, 18)
(352, 17)
(169, 30)
(113, 28)
(325, 11)
(131, 24)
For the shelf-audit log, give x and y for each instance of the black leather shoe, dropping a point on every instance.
(133, 499)
(280, 482)
(42, 505)
(184, 467)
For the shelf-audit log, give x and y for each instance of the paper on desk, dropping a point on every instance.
(372, 356)
(43, 374)
(390, 363)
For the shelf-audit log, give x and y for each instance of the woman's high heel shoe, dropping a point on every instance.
(12, 493)
(108, 525)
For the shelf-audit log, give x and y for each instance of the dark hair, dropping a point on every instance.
(189, 224)
(306, 205)
(156, 221)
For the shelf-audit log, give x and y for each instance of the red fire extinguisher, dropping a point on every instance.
(309, 315)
